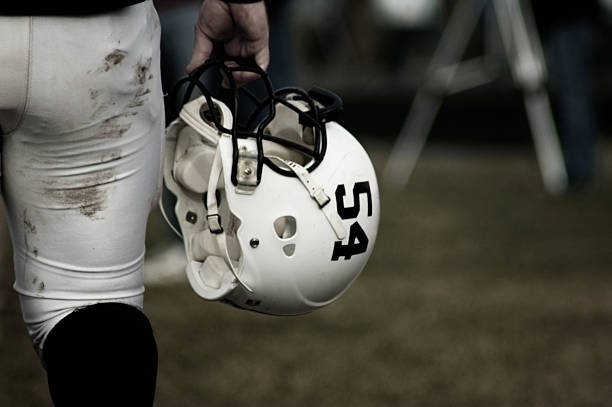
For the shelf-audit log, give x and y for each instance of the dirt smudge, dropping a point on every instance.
(38, 285)
(113, 59)
(139, 98)
(110, 156)
(112, 127)
(28, 229)
(27, 223)
(89, 198)
(94, 93)
(142, 70)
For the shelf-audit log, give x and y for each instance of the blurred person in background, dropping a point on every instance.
(81, 113)
(568, 31)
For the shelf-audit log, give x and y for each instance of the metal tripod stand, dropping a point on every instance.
(447, 74)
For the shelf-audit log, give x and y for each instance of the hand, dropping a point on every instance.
(243, 29)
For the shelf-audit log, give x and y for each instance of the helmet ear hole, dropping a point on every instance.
(285, 227)
(211, 115)
(289, 249)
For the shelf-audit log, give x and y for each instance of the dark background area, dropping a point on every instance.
(483, 289)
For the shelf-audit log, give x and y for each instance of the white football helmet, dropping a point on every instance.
(278, 212)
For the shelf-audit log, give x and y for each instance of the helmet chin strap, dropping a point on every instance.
(317, 193)
(213, 218)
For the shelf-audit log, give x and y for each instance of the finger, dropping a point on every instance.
(243, 77)
(258, 51)
(202, 48)
(239, 77)
(262, 57)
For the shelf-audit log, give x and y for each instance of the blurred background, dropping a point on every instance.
(487, 122)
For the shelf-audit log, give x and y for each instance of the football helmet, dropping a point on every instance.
(276, 203)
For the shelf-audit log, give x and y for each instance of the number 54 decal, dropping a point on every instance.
(357, 240)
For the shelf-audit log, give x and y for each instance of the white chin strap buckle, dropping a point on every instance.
(214, 224)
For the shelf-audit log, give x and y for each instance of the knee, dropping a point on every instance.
(102, 355)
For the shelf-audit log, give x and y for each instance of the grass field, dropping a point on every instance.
(482, 291)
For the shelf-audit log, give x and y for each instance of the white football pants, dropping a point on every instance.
(81, 112)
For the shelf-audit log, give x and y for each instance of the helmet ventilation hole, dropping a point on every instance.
(285, 227)
(289, 249)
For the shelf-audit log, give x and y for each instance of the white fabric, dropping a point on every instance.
(81, 108)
